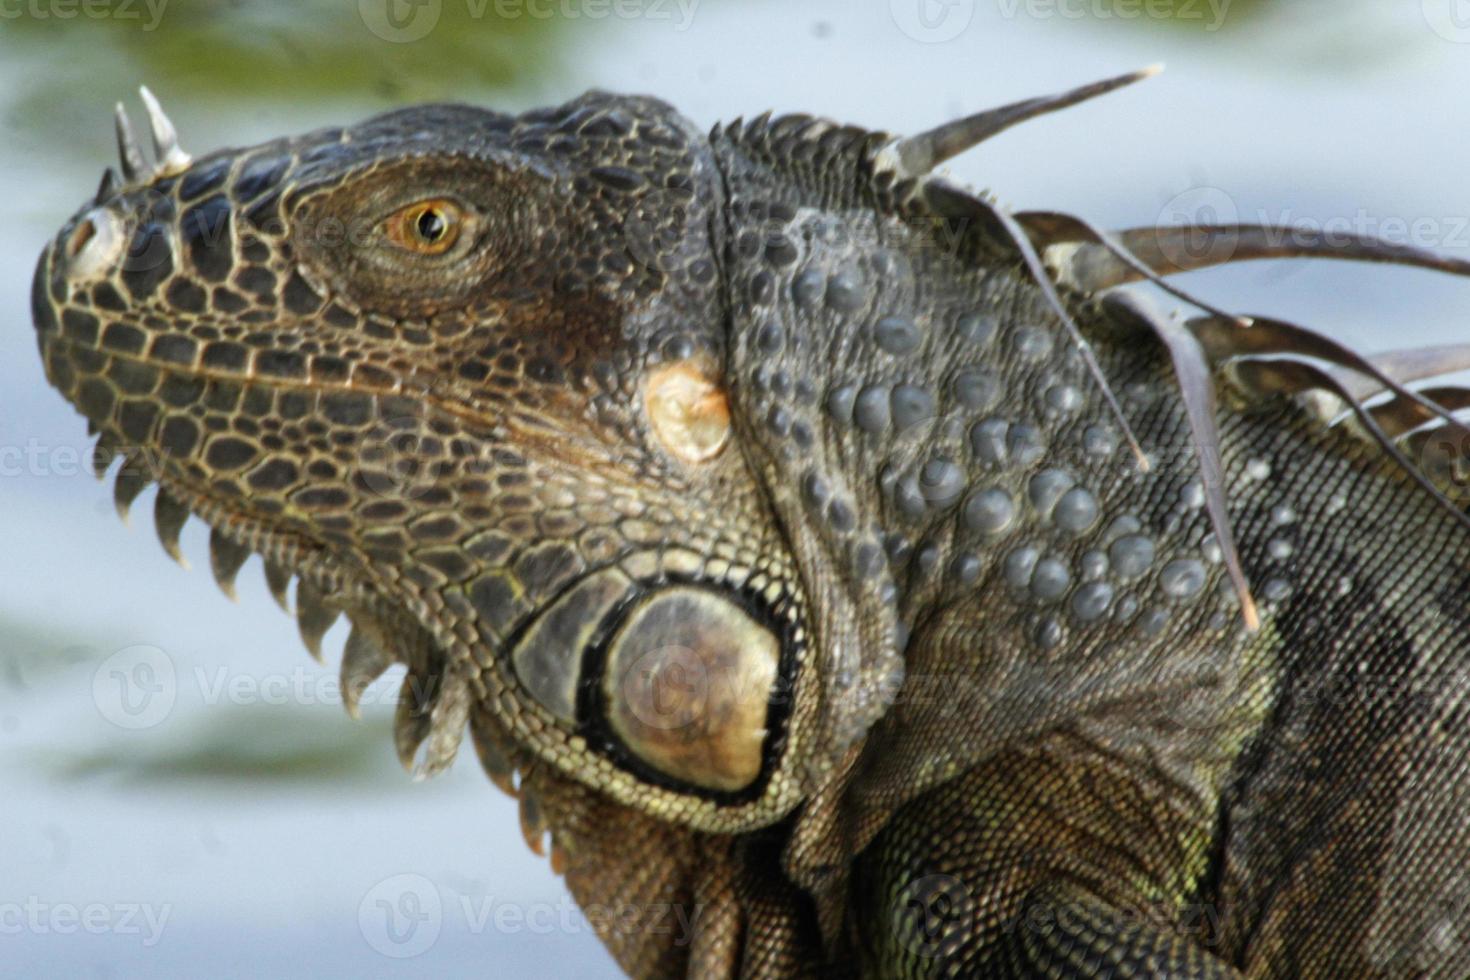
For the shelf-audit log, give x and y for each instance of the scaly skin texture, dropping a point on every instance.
(747, 501)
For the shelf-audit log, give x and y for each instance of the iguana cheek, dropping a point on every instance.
(688, 411)
(686, 687)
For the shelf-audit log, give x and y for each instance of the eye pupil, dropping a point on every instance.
(428, 227)
(431, 225)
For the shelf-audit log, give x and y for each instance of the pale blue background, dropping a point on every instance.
(263, 829)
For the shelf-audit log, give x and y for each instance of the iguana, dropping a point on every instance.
(812, 542)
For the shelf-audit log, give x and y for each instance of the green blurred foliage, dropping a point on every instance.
(214, 51)
(32, 653)
(243, 745)
(1198, 15)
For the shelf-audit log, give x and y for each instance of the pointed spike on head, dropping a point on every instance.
(104, 453)
(169, 518)
(131, 480)
(108, 186)
(278, 580)
(225, 558)
(493, 757)
(446, 729)
(168, 158)
(533, 823)
(411, 718)
(363, 661)
(313, 617)
(129, 157)
(916, 155)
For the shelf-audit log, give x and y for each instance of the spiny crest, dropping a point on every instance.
(1260, 354)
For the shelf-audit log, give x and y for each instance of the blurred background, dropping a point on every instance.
(183, 794)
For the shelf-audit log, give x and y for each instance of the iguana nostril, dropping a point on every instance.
(79, 237)
(93, 246)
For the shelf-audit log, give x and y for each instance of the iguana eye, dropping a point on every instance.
(687, 686)
(427, 227)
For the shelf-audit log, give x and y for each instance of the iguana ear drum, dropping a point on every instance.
(674, 681)
(687, 684)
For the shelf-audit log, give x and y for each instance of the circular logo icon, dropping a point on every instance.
(149, 249)
(1450, 19)
(932, 21)
(135, 687)
(654, 229)
(401, 916)
(667, 689)
(400, 21)
(1192, 228)
(930, 911)
(1444, 457)
(400, 457)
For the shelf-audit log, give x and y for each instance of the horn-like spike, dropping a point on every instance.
(447, 721)
(225, 558)
(132, 479)
(493, 757)
(313, 617)
(920, 154)
(278, 580)
(944, 196)
(1184, 248)
(533, 821)
(130, 158)
(1404, 366)
(169, 159)
(108, 187)
(1196, 383)
(1268, 336)
(363, 661)
(1286, 376)
(559, 858)
(169, 517)
(412, 717)
(1046, 228)
(1399, 416)
(104, 453)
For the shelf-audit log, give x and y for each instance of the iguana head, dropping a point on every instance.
(463, 373)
